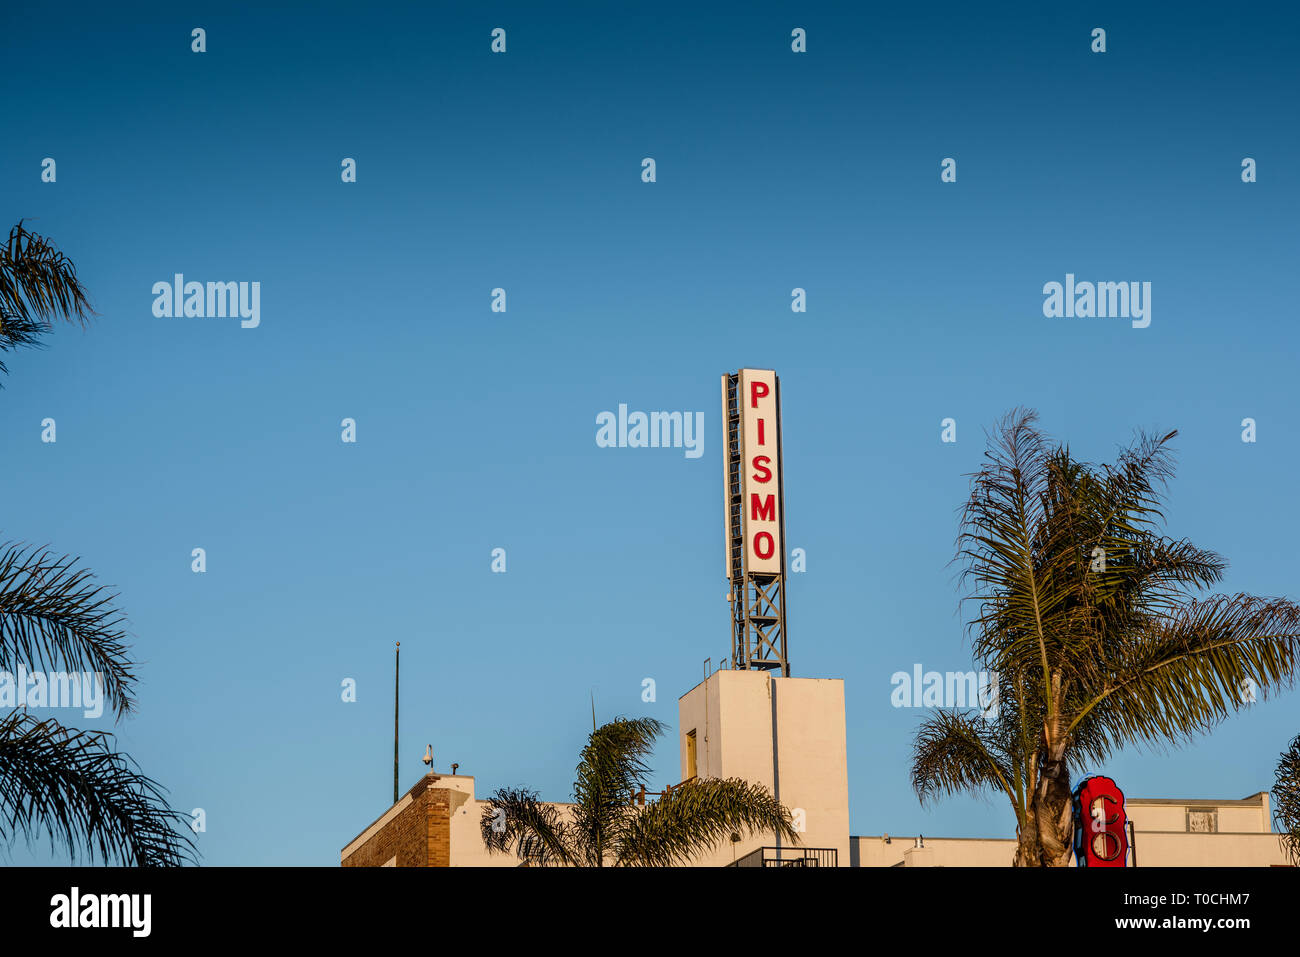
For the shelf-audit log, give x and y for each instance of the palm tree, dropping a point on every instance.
(1286, 798)
(1090, 620)
(608, 827)
(70, 785)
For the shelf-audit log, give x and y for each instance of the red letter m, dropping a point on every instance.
(762, 510)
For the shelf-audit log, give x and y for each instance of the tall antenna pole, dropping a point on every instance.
(397, 687)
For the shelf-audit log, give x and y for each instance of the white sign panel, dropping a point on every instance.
(761, 471)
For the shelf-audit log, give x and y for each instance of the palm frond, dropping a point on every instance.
(53, 616)
(38, 283)
(1286, 800)
(516, 821)
(997, 546)
(956, 752)
(697, 817)
(17, 333)
(1191, 669)
(74, 787)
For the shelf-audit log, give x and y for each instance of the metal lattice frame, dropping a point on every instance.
(758, 631)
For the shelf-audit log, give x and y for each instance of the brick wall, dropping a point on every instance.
(419, 836)
(438, 826)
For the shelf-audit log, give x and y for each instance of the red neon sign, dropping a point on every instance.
(1100, 824)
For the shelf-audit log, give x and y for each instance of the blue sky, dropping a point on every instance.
(476, 429)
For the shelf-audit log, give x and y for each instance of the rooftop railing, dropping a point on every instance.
(790, 857)
(639, 797)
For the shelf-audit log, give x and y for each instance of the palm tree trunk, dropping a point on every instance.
(1046, 838)
(1055, 814)
(1027, 840)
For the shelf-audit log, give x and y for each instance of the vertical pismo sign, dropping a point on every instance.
(761, 479)
(754, 503)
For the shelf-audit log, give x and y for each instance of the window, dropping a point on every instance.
(1203, 820)
(690, 754)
